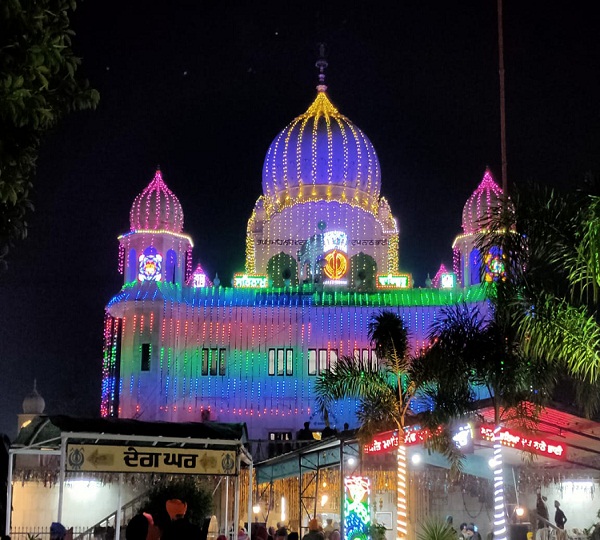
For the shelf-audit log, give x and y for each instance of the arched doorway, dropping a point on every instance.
(363, 270)
(281, 268)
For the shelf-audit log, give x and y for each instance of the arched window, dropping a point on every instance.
(363, 271)
(171, 266)
(132, 266)
(475, 266)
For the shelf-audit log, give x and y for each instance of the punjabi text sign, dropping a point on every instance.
(99, 458)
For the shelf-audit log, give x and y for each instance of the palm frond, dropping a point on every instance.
(433, 529)
(556, 330)
(389, 335)
(350, 377)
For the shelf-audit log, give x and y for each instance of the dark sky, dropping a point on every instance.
(202, 88)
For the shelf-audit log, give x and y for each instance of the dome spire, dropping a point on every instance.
(322, 65)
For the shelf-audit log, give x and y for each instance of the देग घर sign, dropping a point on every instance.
(98, 458)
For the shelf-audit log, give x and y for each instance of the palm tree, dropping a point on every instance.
(553, 273)
(385, 392)
(485, 351)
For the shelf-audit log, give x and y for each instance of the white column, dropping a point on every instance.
(118, 515)
(61, 485)
(11, 458)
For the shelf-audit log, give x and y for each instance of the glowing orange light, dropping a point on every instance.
(336, 264)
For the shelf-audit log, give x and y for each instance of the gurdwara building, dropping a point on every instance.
(321, 259)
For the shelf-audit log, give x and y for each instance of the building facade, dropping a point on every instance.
(321, 258)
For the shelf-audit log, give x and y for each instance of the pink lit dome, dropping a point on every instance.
(156, 208)
(321, 155)
(481, 204)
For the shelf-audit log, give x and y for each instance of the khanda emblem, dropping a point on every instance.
(228, 463)
(76, 458)
(336, 264)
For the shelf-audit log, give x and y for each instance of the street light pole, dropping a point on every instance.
(502, 98)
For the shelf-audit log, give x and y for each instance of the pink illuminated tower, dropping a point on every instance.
(479, 208)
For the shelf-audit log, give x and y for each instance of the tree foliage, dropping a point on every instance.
(196, 494)
(386, 390)
(551, 289)
(486, 356)
(38, 86)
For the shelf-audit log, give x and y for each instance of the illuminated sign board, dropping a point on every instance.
(335, 240)
(244, 281)
(132, 459)
(463, 439)
(382, 442)
(536, 445)
(389, 440)
(394, 281)
(150, 267)
(448, 280)
(198, 280)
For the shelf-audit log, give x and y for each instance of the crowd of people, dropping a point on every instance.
(176, 526)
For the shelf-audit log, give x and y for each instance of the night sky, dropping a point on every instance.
(202, 88)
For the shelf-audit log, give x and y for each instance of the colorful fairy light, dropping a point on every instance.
(500, 532)
(481, 205)
(435, 282)
(357, 511)
(401, 494)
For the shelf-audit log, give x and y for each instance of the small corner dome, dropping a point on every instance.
(322, 154)
(481, 205)
(33, 402)
(156, 208)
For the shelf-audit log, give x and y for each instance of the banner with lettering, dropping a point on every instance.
(143, 459)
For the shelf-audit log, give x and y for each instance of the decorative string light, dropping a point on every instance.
(499, 502)
(401, 488)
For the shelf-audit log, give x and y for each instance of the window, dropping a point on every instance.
(204, 362)
(333, 358)
(279, 443)
(374, 361)
(222, 362)
(146, 353)
(271, 361)
(327, 359)
(312, 361)
(281, 361)
(323, 360)
(213, 362)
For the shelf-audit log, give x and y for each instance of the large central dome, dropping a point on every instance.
(322, 155)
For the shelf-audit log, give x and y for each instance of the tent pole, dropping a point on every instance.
(226, 523)
(118, 516)
(9, 493)
(250, 497)
(61, 486)
(236, 501)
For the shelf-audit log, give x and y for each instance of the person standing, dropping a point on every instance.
(543, 516)
(179, 528)
(559, 516)
(314, 531)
